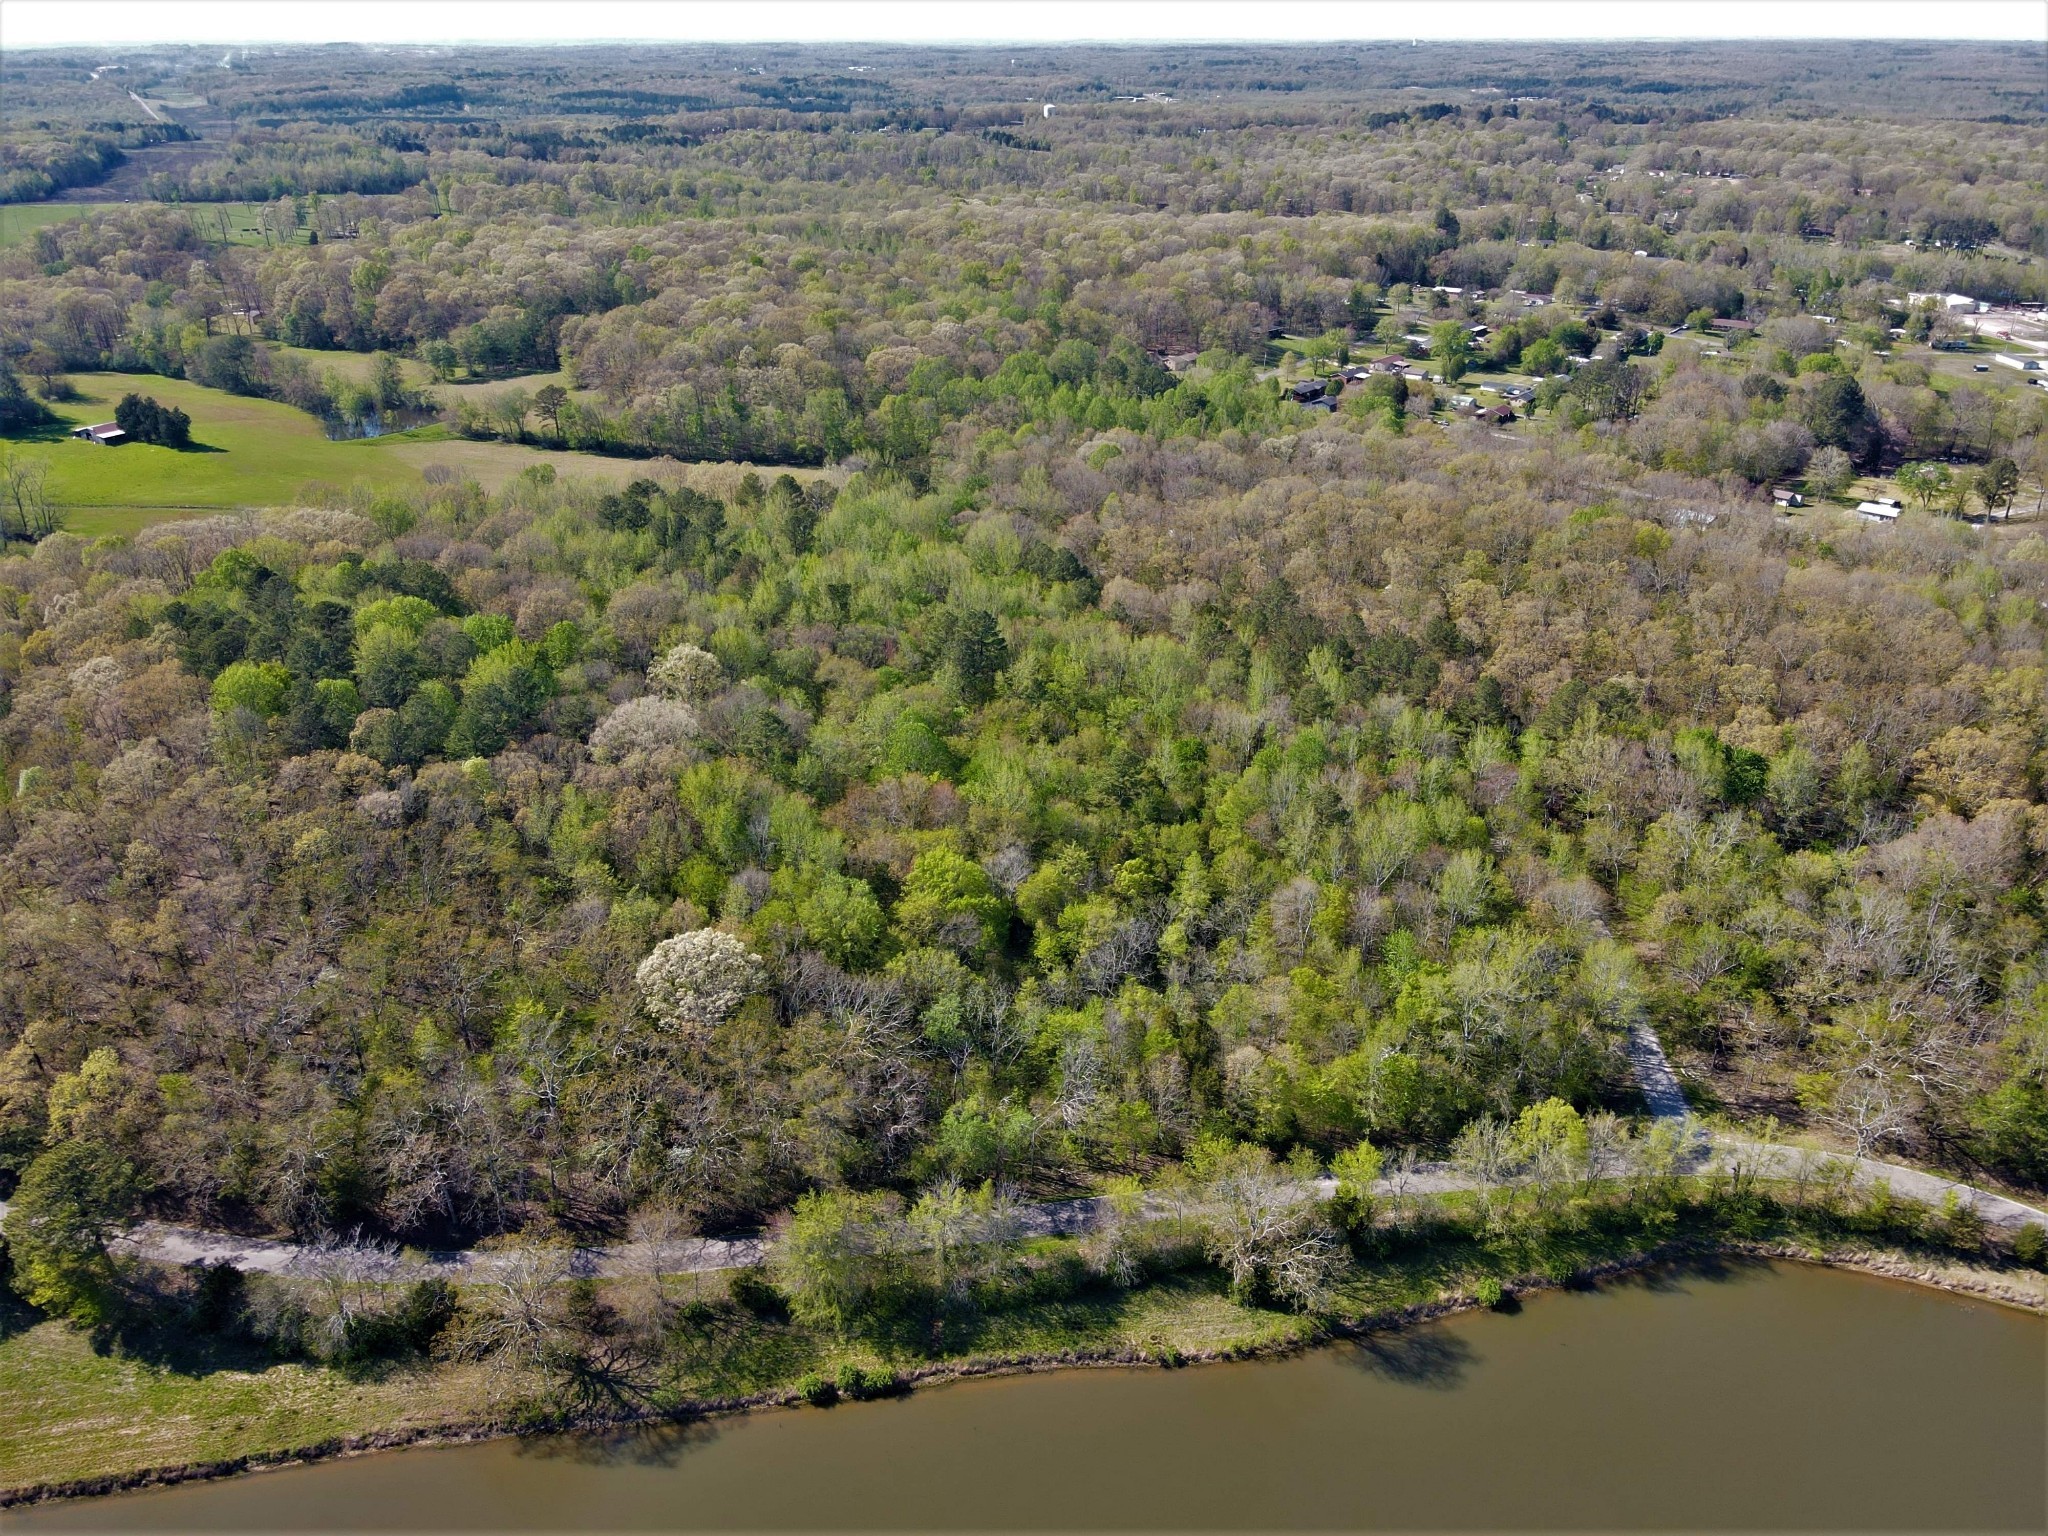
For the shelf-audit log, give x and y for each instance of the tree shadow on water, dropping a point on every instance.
(1422, 1357)
(663, 1444)
(1681, 1274)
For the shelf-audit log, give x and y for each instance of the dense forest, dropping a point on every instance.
(1105, 752)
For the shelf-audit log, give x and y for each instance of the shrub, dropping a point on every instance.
(818, 1391)
(1489, 1292)
(860, 1385)
(2030, 1246)
(411, 1328)
(68, 1206)
(217, 1297)
(1961, 1224)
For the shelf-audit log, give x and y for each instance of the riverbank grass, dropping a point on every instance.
(70, 1412)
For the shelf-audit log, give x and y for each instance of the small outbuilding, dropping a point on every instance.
(105, 432)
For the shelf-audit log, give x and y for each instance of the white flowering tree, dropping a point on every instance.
(645, 724)
(687, 672)
(690, 984)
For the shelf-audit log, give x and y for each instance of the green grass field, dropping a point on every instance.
(19, 220)
(478, 391)
(76, 1412)
(246, 453)
(352, 366)
(257, 453)
(235, 222)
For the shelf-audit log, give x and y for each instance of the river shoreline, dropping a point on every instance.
(1964, 1280)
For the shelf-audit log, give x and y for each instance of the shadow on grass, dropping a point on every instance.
(181, 1351)
(730, 1354)
(49, 432)
(16, 1316)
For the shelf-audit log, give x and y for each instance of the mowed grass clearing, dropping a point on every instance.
(355, 367)
(70, 1412)
(245, 453)
(235, 223)
(20, 220)
(256, 453)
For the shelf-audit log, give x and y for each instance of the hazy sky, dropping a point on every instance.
(41, 23)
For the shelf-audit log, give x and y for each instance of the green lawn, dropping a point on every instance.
(352, 366)
(70, 1412)
(245, 453)
(232, 223)
(479, 391)
(19, 220)
(236, 221)
(253, 453)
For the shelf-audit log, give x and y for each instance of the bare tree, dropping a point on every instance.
(519, 1326)
(1262, 1229)
(27, 510)
(350, 1277)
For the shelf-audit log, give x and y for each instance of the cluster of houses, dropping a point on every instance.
(1321, 395)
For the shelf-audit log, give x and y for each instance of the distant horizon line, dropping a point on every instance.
(133, 45)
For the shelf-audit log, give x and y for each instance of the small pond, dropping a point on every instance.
(343, 429)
